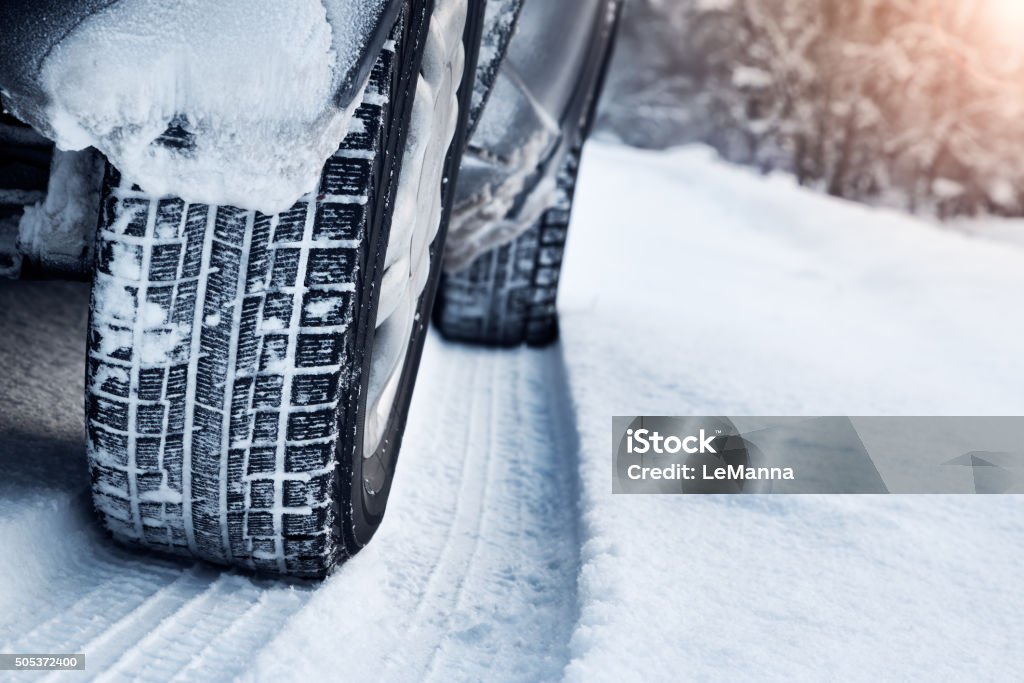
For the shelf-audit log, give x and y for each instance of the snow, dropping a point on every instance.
(944, 188)
(1006, 231)
(690, 287)
(713, 5)
(160, 338)
(751, 77)
(789, 302)
(261, 117)
(742, 295)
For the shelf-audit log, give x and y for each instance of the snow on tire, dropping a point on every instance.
(229, 351)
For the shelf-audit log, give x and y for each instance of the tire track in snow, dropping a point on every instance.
(465, 380)
(141, 617)
(119, 625)
(181, 639)
(115, 595)
(66, 561)
(546, 524)
(513, 606)
(232, 651)
(462, 542)
(64, 586)
(472, 576)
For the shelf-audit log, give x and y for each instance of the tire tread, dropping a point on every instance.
(204, 439)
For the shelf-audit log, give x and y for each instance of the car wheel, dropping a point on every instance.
(249, 375)
(505, 294)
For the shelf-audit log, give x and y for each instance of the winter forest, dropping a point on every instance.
(917, 104)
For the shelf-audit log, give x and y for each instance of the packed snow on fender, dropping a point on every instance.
(231, 102)
(691, 288)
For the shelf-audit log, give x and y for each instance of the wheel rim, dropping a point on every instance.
(415, 224)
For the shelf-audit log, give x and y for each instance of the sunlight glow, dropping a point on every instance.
(1007, 14)
(1003, 28)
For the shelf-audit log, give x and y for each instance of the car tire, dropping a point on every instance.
(507, 295)
(230, 352)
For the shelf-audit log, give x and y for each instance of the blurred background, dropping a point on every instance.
(913, 104)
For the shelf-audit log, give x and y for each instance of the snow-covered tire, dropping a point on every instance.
(507, 296)
(230, 351)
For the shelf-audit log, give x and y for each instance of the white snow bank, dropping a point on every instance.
(252, 82)
(1008, 231)
(696, 288)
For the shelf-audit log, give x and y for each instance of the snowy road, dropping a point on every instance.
(472, 576)
(504, 555)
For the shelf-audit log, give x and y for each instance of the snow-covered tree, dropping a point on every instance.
(901, 102)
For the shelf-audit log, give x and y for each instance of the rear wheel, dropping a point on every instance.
(506, 295)
(249, 375)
